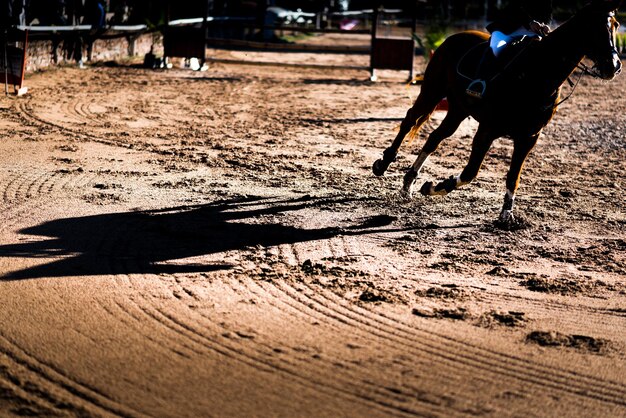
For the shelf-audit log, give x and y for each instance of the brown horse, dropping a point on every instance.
(518, 101)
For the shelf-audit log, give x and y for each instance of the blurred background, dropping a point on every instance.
(158, 12)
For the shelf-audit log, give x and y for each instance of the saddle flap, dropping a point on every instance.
(477, 62)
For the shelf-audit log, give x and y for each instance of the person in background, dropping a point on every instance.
(95, 13)
(6, 14)
(48, 12)
(121, 13)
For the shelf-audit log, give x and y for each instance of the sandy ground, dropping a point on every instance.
(184, 244)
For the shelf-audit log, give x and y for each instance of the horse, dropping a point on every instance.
(518, 102)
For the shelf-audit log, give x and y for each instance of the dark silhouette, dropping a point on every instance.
(95, 13)
(137, 242)
(47, 12)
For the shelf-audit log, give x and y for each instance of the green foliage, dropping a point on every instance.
(295, 37)
(620, 40)
(434, 37)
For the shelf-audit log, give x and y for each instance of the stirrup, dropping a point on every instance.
(476, 88)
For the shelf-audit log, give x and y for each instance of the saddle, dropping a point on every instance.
(481, 67)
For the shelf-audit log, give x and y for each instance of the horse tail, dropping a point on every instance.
(415, 129)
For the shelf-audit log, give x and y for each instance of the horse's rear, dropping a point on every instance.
(464, 47)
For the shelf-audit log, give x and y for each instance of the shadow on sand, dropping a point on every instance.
(136, 242)
(352, 120)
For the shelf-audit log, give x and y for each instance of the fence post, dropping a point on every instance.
(205, 32)
(373, 40)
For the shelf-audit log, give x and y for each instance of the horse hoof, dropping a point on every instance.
(379, 168)
(407, 186)
(409, 178)
(427, 188)
(506, 217)
(508, 222)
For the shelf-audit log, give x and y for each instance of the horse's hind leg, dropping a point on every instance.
(521, 149)
(448, 126)
(415, 117)
(432, 92)
(480, 145)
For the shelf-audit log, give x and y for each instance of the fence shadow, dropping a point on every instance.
(349, 120)
(337, 82)
(138, 242)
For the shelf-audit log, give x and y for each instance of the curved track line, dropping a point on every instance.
(256, 360)
(88, 396)
(482, 359)
(432, 401)
(134, 322)
(30, 118)
(501, 357)
(262, 359)
(388, 389)
(72, 388)
(593, 314)
(16, 386)
(387, 324)
(36, 183)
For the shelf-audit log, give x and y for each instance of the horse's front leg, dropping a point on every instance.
(521, 149)
(481, 144)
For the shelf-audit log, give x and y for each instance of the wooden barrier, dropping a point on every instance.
(51, 45)
(13, 61)
(188, 38)
(391, 53)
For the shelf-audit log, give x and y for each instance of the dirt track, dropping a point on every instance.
(214, 244)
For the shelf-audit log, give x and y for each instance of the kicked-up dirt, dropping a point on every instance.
(176, 243)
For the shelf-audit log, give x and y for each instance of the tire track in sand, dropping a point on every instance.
(23, 191)
(72, 392)
(211, 337)
(568, 312)
(445, 349)
(29, 117)
(115, 246)
(23, 186)
(109, 132)
(388, 384)
(127, 311)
